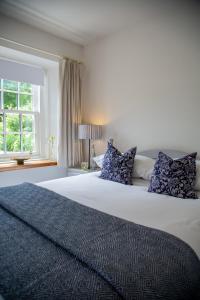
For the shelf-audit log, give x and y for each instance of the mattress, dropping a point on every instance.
(180, 217)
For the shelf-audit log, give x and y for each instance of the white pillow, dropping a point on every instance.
(99, 160)
(143, 166)
(197, 184)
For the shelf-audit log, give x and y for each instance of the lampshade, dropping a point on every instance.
(96, 132)
(89, 131)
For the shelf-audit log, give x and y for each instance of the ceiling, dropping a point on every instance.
(83, 21)
(80, 21)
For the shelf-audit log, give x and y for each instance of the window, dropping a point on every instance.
(19, 117)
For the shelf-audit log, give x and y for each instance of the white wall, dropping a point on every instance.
(144, 82)
(28, 35)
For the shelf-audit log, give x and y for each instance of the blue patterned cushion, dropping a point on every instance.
(174, 177)
(117, 166)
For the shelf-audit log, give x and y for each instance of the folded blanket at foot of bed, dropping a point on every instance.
(54, 248)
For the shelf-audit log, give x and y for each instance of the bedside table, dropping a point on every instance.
(79, 171)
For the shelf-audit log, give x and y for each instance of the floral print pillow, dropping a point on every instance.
(174, 177)
(117, 166)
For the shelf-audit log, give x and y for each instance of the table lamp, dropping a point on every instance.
(89, 132)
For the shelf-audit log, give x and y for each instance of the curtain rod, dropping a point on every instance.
(39, 50)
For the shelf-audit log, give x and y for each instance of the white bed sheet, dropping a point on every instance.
(180, 217)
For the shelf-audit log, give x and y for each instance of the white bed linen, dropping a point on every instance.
(180, 217)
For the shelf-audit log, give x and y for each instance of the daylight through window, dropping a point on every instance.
(19, 112)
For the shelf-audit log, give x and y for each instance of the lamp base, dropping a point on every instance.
(89, 155)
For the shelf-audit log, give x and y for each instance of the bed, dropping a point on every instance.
(112, 268)
(180, 217)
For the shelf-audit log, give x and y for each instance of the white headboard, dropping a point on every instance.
(154, 153)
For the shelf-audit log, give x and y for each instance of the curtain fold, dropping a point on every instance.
(70, 112)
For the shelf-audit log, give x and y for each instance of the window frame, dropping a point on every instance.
(34, 112)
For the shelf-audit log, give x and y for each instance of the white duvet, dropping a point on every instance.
(180, 217)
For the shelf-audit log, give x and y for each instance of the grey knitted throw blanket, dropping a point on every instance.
(54, 248)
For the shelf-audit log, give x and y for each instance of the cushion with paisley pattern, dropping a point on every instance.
(117, 166)
(174, 177)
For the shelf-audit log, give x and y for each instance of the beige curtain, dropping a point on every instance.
(69, 146)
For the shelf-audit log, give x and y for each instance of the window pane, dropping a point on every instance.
(25, 87)
(13, 143)
(28, 142)
(10, 100)
(12, 123)
(10, 85)
(27, 123)
(25, 102)
(1, 143)
(1, 123)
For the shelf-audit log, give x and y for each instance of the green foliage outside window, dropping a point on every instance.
(12, 123)
(1, 123)
(13, 143)
(10, 85)
(13, 140)
(25, 87)
(27, 142)
(25, 102)
(1, 143)
(10, 100)
(18, 129)
(27, 123)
